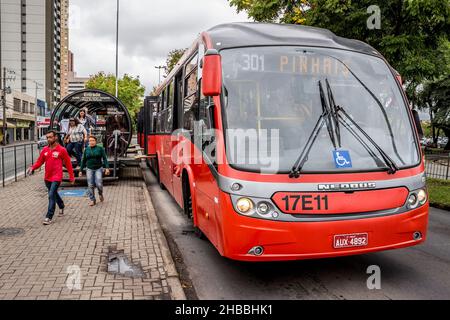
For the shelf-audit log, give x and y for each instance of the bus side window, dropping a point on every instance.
(169, 116)
(154, 117)
(205, 115)
(190, 103)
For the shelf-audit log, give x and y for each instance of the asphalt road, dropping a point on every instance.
(420, 272)
(20, 156)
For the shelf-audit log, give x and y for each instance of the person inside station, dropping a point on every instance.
(87, 121)
(115, 123)
(64, 128)
(75, 139)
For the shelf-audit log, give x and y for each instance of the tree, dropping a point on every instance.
(436, 97)
(413, 35)
(172, 59)
(131, 91)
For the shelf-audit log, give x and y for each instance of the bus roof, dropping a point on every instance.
(245, 34)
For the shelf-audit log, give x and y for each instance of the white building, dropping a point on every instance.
(30, 45)
(20, 114)
(75, 83)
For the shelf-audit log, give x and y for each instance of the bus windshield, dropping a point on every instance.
(273, 101)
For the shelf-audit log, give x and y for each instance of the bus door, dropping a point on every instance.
(166, 170)
(206, 172)
(140, 128)
(178, 138)
(207, 191)
(150, 113)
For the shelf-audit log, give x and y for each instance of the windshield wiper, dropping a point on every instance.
(334, 109)
(377, 101)
(338, 110)
(323, 119)
(334, 114)
(393, 168)
(329, 119)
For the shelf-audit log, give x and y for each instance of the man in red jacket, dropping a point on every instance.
(54, 156)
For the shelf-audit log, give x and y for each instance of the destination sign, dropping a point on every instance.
(306, 64)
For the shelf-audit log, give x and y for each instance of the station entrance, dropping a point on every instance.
(112, 125)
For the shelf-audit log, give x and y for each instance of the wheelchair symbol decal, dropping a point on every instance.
(342, 159)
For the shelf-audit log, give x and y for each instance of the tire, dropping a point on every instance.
(188, 209)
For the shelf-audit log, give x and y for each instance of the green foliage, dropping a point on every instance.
(439, 191)
(435, 96)
(413, 36)
(131, 91)
(172, 59)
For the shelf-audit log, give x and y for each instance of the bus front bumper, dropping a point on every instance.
(313, 240)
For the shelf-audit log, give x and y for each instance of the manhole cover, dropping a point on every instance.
(10, 232)
(118, 263)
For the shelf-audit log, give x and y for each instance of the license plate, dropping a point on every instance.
(351, 240)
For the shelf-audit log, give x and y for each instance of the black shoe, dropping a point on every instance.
(61, 212)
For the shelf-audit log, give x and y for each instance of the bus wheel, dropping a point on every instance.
(187, 208)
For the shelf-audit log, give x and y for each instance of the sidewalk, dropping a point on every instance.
(43, 262)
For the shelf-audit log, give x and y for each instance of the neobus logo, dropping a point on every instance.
(347, 186)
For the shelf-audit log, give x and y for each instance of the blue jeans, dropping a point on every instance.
(77, 148)
(95, 179)
(53, 198)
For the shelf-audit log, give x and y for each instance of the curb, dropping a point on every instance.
(173, 279)
(437, 205)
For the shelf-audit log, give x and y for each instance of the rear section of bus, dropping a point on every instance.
(320, 150)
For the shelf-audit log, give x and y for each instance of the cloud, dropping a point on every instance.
(149, 29)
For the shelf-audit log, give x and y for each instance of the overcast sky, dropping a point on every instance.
(149, 29)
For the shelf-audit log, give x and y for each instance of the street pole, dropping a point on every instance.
(159, 73)
(36, 130)
(4, 104)
(5, 90)
(117, 51)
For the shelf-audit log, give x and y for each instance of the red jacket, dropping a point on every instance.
(54, 160)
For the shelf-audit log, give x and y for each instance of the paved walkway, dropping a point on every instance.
(69, 259)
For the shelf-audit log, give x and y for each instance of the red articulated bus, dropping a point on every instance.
(286, 142)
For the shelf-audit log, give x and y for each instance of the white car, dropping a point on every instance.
(42, 142)
(442, 142)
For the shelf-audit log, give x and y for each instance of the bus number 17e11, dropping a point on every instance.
(299, 202)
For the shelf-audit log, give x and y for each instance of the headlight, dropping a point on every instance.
(417, 198)
(263, 208)
(422, 197)
(244, 205)
(413, 201)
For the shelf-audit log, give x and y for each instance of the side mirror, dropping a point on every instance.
(212, 74)
(417, 123)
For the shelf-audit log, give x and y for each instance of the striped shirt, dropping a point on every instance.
(77, 133)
